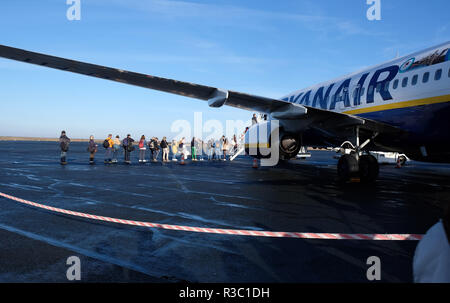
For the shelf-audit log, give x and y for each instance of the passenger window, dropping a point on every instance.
(363, 89)
(378, 87)
(425, 78)
(356, 91)
(370, 91)
(405, 82)
(449, 72)
(395, 85)
(438, 74)
(414, 80)
(386, 86)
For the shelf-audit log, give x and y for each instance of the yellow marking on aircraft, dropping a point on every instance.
(403, 104)
(257, 145)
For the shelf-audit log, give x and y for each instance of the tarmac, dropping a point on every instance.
(300, 196)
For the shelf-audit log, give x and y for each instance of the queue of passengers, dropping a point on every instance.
(113, 146)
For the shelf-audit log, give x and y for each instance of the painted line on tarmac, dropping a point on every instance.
(234, 232)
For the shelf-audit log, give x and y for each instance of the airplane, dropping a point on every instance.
(401, 105)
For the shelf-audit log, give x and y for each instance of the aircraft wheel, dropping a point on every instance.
(347, 167)
(368, 168)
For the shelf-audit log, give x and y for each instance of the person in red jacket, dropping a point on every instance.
(142, 148)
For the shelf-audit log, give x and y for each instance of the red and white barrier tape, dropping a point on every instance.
(254, 233)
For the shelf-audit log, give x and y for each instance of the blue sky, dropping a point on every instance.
(268, 48)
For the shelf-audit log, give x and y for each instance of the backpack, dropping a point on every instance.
(130, 147)
(106, 143)
(64, 146)
(152, 144)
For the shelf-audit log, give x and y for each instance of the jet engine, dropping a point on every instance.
(259, 137)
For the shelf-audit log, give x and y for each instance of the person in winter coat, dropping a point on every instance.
(157, 149)
(108, 144)
(224, 142)
(152, 147)
(193, 149)
(234, 142)
(92, 149)
(142, 148)
(181, 148)
(64, 142)
(165, 148)
(116, 149)
(254, 119)
(128, 147)
(174, 150)
(212, 149)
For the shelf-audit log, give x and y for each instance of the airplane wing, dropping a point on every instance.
(216, 97)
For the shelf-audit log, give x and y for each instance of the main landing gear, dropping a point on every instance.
(354, 164)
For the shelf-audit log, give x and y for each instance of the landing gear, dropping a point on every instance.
(368, 168)
(357, 165)
(347, 167)
(365, 168)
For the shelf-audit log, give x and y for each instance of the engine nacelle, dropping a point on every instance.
(258, 141)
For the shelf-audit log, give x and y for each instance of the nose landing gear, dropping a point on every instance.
(357, 165)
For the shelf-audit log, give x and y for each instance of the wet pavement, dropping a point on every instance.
(302, 196)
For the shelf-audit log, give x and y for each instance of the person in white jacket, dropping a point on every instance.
(431, 262)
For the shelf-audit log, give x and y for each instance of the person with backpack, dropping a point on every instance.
(165, 148)
(92, 149)
(108, 145)
(128, 147)
(64, 142)
(142, 148)
(116, 149)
